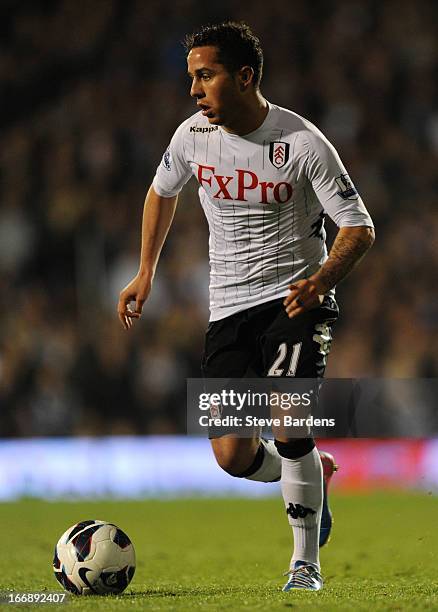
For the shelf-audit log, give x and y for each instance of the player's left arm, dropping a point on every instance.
(335, 191)
(348, 249)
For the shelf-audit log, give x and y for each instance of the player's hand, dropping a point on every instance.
(136, 291)
(304, 295)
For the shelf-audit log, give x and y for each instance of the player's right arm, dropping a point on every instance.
(158, 214)
(159, 209)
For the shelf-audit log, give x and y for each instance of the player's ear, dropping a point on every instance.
(245, 77)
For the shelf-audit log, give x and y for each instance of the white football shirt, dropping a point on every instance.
(265, 195)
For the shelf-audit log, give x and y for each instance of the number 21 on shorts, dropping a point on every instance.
(276, 369)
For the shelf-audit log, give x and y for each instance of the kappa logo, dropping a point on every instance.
(298, 511)
(278, 153)
(204, 130)
(347, 190)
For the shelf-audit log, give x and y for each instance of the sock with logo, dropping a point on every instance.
(302, 489)
(266, 466)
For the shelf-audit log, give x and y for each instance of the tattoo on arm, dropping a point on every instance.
(349, 247)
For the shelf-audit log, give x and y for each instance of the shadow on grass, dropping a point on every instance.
(207, 591)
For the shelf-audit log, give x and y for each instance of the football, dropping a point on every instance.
(94, 558)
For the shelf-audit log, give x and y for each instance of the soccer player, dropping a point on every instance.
(266, 179)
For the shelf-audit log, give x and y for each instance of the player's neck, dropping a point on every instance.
(249, 117)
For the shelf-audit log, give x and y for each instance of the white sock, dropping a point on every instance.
(302, 489)
(270, 469)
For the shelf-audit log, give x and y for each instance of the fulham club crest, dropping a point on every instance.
(278, 153)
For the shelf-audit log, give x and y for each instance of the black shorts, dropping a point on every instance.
(263, 341)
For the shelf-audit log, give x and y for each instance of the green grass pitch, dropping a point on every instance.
(229, 554)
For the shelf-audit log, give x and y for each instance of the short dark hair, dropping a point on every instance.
(237, 45)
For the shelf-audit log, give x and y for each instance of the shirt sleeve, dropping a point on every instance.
(332, 185)
(174, 171)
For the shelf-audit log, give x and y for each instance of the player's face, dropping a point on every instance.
(215, 89)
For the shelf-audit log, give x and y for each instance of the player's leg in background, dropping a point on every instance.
(229, 351)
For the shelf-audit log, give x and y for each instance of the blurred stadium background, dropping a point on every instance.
(91, 94)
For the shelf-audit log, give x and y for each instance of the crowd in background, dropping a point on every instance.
(91, 94)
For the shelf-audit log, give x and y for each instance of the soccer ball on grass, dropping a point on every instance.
(94, 558)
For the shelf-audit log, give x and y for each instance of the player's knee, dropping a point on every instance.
(228, 461)
(232, 459)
